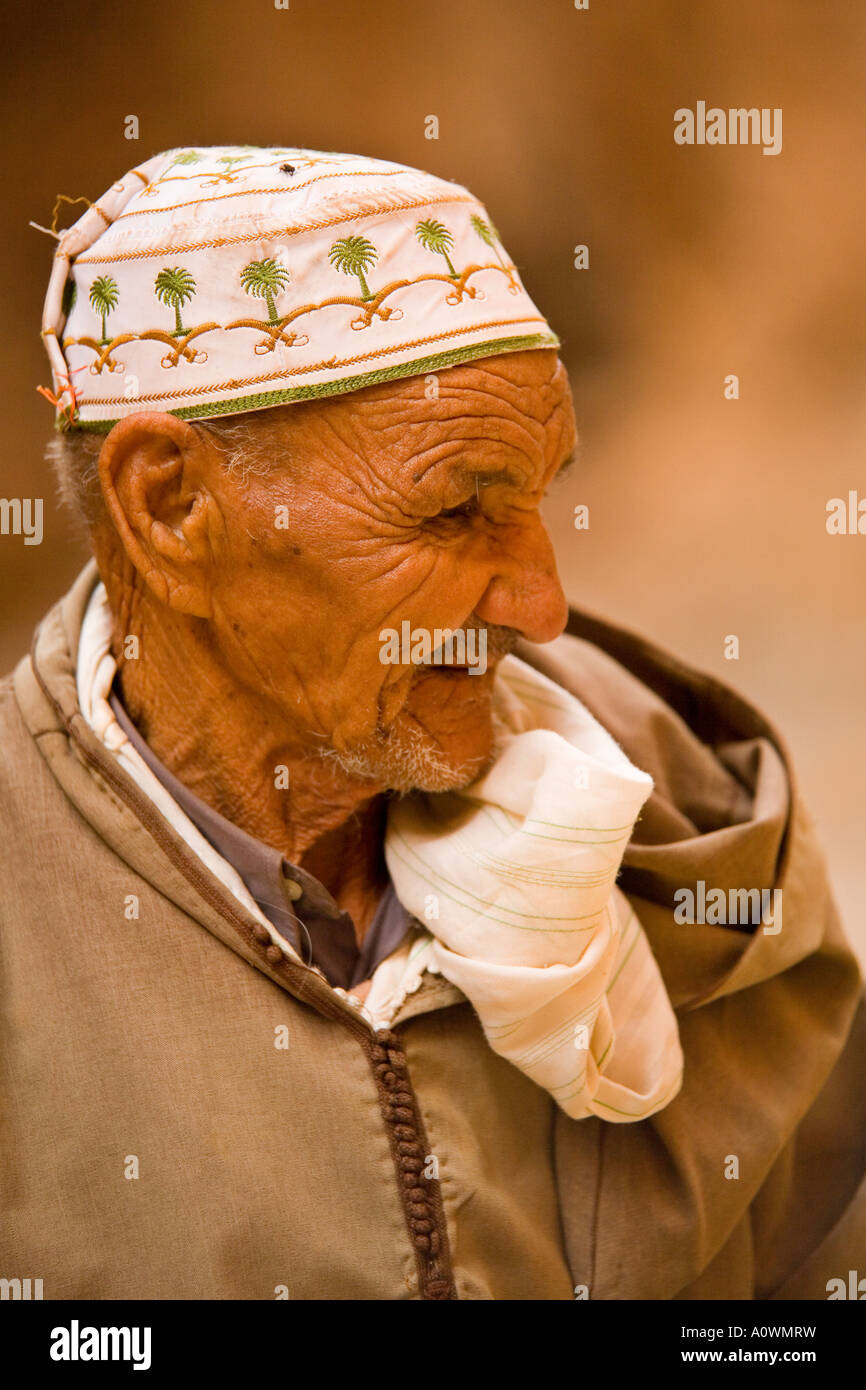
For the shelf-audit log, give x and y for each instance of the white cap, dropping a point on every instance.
(218, 280)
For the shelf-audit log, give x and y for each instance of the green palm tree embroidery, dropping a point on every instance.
(182, 157)
(263, 280)
(488, 235)
(186, 157)
(227, 174)
(230, 160)
(103, 297)
(353, 255)
(435, 236)
(174, 287)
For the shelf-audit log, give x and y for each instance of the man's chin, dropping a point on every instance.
(447, 727)
(407, 760)
(442, 739)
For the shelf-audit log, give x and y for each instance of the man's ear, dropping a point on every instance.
(151, 471)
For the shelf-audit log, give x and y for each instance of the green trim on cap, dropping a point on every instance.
(239, 404)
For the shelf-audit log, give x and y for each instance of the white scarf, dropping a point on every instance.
(520, 869)
(515, 878)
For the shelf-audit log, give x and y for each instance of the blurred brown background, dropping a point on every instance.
(707, 516)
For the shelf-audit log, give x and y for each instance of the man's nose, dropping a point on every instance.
(525, 593)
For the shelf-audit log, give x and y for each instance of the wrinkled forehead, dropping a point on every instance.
(509, 404)
(508, 417)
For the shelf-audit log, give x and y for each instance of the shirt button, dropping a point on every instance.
(293, 889)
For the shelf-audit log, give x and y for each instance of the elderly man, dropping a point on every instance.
(354, 946)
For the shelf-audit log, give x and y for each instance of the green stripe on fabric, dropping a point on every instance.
(564, 839)
(423, 944)
(624, 960)
(437, 884)
(417, 367)
(604, 1054)
(551, 1043)
(571, 1088)
(501, 1030)
(555, 825)
(518, 829)
(600, 829)
(641, 1114)
(531, 875)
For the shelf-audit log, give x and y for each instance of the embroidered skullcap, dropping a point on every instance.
(217, 280)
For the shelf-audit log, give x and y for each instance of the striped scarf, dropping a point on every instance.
(515, 879)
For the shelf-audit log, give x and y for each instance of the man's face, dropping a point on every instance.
(393, 507)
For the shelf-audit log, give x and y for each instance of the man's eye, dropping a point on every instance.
(466, 509)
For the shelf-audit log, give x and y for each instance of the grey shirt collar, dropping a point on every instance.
(321, 932)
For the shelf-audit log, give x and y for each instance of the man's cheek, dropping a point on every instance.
(365, 702)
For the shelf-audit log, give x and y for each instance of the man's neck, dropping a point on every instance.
(235, 750)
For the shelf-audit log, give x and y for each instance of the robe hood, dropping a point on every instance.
(765, 1147)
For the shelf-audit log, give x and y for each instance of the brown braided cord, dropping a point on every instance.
(421, 1196)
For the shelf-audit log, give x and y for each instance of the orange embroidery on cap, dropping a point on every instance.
(257, 192)
(276, 231)
(329, 364)
(70, 410)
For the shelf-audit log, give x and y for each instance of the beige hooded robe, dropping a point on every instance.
(186, 1113)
